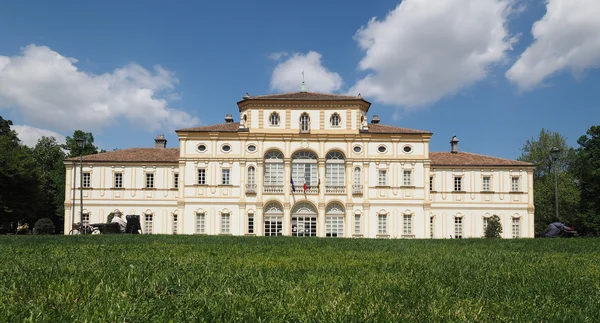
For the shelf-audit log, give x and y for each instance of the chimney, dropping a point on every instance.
(160, 142)
(247, 96)
(228, 118)
(375, 119)
(454, 145)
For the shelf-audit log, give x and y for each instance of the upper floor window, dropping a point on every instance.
(273, 171)
(149, 180)
(274, 119)
(118, 180)
(87, 182)
(514, 184)
(486, 183)
(251, 175)
(431, 183)
(382, 178)
(304, 169)
(176, 180)
(457, 183)
(225, 176)
(407, 178)
(335, 172)
(201, 176)
(335, 120)
(304, 122)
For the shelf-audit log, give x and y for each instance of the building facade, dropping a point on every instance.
(304, 164)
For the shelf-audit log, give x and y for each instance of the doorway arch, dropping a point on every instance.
(304, 220)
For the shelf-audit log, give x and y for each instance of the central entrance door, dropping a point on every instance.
(304, 220)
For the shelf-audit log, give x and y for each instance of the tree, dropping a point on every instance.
(587, 168)
(50, 158)
(537, 151)
(71, 144)
(494, 227)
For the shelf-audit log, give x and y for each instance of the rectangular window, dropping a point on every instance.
(225, 223)
(200, 220)
(382, 179)
(431, 227)
(431, 183)
(273, 226)
(407, 224)
(85, 219)
(335, 174)
(274, 174)
(201, 176)
(174, 223)
(148, 218)
(225, 176)
(514, 184)
(87, 180)
(486, 221)
(305, 173)
(149, 180)
(118, 180)
(458, 227)
(382, 224)
(407, 178)
(357, 224)
(486, 183)
(176, 180)
(334, 226)
(458, 183)
(516, 228)
(251, 223)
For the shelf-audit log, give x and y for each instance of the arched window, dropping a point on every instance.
(304, 122)
(356, 184)
(334, 220)
(251, 181)
(274, 119)
(335, 120)
(304, 170)
(335, 173)
(273, 177)
(273, 215)
(304, 220)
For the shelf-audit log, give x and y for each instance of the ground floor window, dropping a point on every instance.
(304, 226)
(486, 221)
(334, 226)
(174, 223)
(148, 223)
(251, 223)
(200, 220)
(357, 224)
(225, 220)
(407, 223)
(85, 218)
(458, 227)
(431, 235)
(382, 224)
(273, 226)
(516, 227)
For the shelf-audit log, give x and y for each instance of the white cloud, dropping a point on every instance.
(30, 135)
(287, 75)
(277, 56)
(424, 50)
(567, 37)
(52, 93)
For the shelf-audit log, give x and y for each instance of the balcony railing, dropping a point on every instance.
(273, 189)
(335, 189)
(250, 188)
(309, 190)
(357, 190)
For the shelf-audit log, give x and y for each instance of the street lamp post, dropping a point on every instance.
(554, 152)
(81, 143)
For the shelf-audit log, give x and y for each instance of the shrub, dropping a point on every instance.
(494, 227)
(43, 226)
(110, 216)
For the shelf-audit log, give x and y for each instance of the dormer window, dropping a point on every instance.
(335, 120)
(274, 119)
(304, 123)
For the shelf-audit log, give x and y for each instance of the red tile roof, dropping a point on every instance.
(469, 159)
(382, 128)
(170, 155)
(221, 127)
(304, 96)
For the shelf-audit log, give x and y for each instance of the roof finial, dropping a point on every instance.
(303, 88)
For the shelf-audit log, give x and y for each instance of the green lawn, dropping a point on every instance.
(127, 278)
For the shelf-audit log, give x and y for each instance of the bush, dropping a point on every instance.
(43, 226)
(494, 227)
(110, 216)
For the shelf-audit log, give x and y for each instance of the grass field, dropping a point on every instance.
(125, 278)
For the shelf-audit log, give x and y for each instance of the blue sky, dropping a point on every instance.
(470, 68)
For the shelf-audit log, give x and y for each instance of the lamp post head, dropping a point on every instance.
(554, 151)
(80, 142)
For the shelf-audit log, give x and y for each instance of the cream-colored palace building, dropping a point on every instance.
(304, 164)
